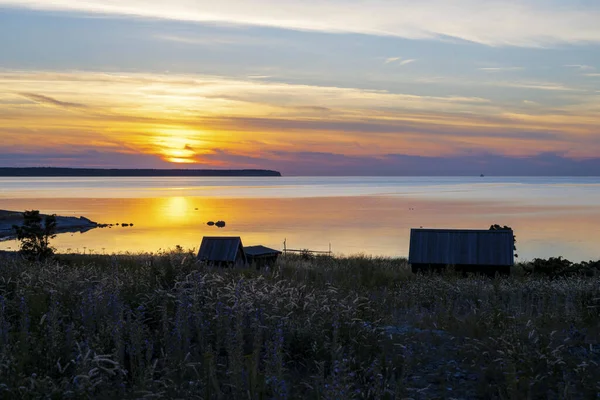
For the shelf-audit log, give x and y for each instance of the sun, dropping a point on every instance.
(178, 145)
(179, 160)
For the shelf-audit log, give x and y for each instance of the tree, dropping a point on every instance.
(497, 227)
(35, 236)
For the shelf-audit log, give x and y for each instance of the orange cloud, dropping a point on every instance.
(185, 119)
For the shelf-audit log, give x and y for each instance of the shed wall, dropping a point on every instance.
(461, 247)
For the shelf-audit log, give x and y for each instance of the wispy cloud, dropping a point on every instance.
(493, 22)
(580, 67)
(399, 61)
(546, 86)
(183, 118)
(47, 100)
(501, 69)
(203, 41)
(259, 76)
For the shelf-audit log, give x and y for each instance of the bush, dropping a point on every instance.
(557, 267)
(35, 236)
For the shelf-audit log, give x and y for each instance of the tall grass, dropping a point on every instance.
(162, 326)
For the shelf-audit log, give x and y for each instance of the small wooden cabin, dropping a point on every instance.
(223, 252)
(485, 251)
(261, 256)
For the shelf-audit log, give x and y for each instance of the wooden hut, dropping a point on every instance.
(261, 256)
(486, 251)
(223, 252)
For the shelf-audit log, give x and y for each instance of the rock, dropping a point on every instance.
(63, 224)
(220, 224)
(210, 223)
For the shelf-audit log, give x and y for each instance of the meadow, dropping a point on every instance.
(161, 326)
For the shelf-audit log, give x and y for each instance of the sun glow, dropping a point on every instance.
(176, 207)
(180, 146)
(266, 124)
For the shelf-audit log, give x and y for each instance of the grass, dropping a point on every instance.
(161, 326)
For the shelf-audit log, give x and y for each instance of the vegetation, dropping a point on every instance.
(556, 267)
(497, 227)
(162, 326)
(35, 236)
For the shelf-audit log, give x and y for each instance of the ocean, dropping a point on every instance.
(551, 216)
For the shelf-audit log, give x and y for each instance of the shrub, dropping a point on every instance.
(557, 267)
(35, 236)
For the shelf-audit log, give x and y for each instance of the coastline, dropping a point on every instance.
(63, 224)
(101, 172)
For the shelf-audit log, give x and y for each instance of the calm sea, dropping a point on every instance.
(550, 216)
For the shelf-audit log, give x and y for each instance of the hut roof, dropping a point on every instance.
(257, 251)
(461, 247)
(220, 249)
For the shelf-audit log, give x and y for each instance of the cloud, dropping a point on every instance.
(187, 117)
(423, 129)
(201, 41)
(406, 62)
(580, 67)
(391, 60)
(325, 163)
(80, 158)
(546, 86)
(501, 69)
(318, 109)
(328, 163)
(46, 100)
(528, 23)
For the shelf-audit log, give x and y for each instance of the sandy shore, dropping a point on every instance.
(63, 224)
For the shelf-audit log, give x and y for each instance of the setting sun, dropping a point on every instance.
(179, 145)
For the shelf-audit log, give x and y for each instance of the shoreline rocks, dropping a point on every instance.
(218, 224)
(63, 224)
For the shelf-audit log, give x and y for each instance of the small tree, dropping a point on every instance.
(497, 227)
(35, 236)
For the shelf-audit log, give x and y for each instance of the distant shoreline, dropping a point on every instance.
(99, 172)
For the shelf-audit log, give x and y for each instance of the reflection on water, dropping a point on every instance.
(373, 219)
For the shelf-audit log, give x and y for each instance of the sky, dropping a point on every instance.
(312, 87)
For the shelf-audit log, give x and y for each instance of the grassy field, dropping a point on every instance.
(161, 326)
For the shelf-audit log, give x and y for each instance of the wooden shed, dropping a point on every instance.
(487, 251)
(261, 256)
(223, 252)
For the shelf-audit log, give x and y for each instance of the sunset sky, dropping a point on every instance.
(312, 87)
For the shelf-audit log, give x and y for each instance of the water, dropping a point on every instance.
(550, 216)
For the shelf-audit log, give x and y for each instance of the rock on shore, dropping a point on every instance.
(63, 224)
